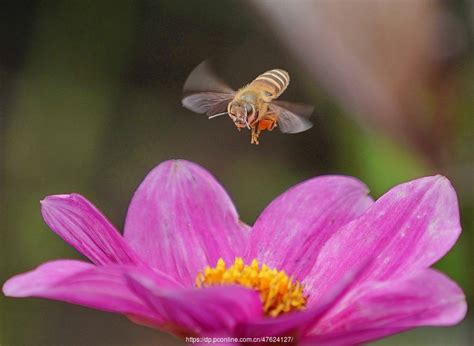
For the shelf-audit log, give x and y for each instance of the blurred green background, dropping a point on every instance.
(90, 101)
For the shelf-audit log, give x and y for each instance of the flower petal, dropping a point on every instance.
(81, 225)
(298, 323)
(181, 219)
(193, 311)
(376, 309)
(291, 230)
(81, 283)
(407, 229)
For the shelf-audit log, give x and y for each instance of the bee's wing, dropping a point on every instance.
(204, 92)
(207, 102)
(292, 117)
(203, 79)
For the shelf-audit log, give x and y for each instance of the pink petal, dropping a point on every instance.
(292, 229)
(407, 229)
(81, 225)
(298, 323)
(194, 311)
(81, 283)
(181, 219)
(377, 309)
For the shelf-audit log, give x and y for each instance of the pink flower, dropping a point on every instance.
(347, 269)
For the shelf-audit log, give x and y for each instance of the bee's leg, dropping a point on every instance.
(274, 123)
(268, 123)
(254, 135)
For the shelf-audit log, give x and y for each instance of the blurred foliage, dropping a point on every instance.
(90, 102)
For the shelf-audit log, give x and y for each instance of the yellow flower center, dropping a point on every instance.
(278, 292)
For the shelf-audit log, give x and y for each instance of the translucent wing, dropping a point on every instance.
(204, 92)
(207, 102)
(203, 79)
(292, 117)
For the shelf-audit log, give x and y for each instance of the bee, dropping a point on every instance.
(253, 106)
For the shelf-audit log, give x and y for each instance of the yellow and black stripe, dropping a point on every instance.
(273, 82)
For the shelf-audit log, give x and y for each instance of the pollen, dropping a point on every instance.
(279, 293)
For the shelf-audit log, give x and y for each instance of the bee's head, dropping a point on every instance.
(241, 113)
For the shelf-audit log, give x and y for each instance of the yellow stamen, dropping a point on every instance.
(278, 292)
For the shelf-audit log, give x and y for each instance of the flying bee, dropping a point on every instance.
(252, 106)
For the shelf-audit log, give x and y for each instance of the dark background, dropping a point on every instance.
(90, 101)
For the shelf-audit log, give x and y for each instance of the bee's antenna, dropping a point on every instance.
(216, 115)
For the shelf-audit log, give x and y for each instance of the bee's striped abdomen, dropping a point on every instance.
(273, 82)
